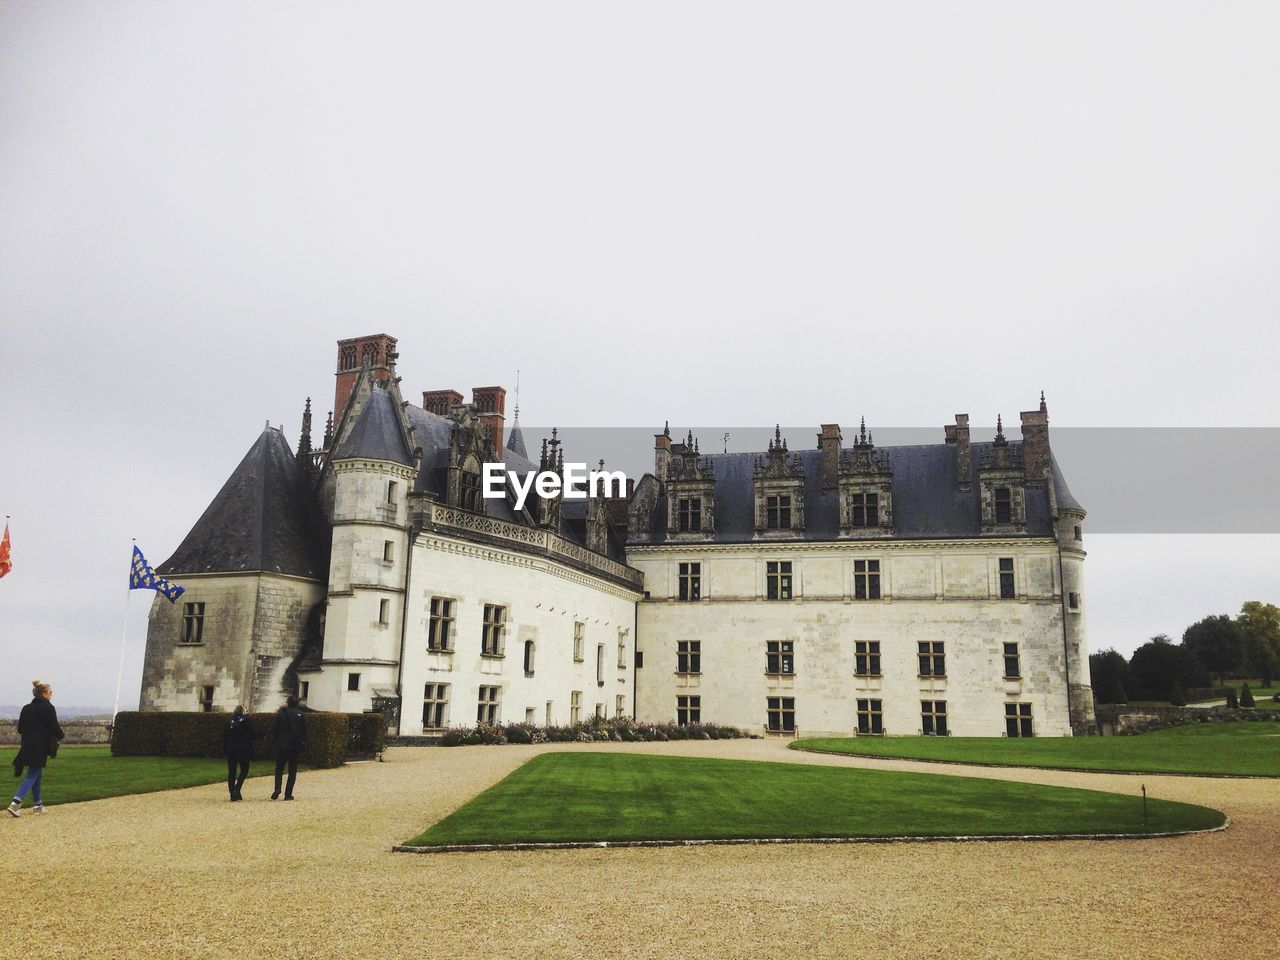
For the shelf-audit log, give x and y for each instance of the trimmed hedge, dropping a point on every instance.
(330, 736)
(621, 730)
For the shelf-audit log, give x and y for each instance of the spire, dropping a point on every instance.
(1043, 407)
(1000, 429)
(304, 441)
(328, 431)
(515, 439)
(666, 429)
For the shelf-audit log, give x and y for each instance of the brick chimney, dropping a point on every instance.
(1035, 441)
(439, 401)
(380, 352)
(489, 404)
(829, 443)
(958, 434)
(662, 454)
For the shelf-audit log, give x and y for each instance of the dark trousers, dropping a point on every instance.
(236, 762)
(289, 757)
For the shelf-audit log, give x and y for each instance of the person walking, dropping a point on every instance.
(237, 744)
(40, 732)
(289, 731)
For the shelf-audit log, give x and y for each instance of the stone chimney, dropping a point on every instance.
(1035, 441)
(662, 453)
(377, 350)
(439, 401)
(489, 405)
(829, 443)
(958, 434)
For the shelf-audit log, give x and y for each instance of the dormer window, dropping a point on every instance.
(689, 514)
(1004, 505)
(866, 510)
(470, 493)
(778, 513)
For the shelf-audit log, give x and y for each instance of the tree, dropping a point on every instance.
(1158, 664)
(1217, 643)
(1176, 696)
(1109, 675)
(1246, 697)
(1260, 624)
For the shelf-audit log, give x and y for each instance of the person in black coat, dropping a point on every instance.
(289, 731)
(40, 732)
(237, 744)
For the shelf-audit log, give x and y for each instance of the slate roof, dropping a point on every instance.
(515, 441)
(376, 434)
(927, 501)
(263, 519)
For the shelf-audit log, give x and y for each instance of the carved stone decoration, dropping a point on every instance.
(1002, 488)
(866, 490)
(779, 492)
(469, 448)
(691, 487)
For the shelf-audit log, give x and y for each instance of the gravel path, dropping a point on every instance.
(187, 874)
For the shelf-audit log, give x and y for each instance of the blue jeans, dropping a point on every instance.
(31, 782)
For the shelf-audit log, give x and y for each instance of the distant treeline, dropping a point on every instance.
(1212, 650)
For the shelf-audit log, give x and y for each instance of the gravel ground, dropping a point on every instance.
(187, 874)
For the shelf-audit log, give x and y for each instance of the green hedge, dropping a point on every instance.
(330, 736)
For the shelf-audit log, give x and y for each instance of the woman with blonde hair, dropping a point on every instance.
(38, 727)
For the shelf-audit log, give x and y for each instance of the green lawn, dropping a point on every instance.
(568, 797)
(1238, 749)
(91, 773)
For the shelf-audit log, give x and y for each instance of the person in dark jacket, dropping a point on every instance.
(289, 731)
(237, 744)
(40, 732)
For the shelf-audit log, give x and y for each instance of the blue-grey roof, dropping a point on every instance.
(927, 500)
(376, 434)
(1063, 493)
(515, 441)
(265, 518)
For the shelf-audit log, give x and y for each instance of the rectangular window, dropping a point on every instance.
(866, 579)
(599, 711)
(932, 661)
(866, 510)
(619, 705)
(487, 704)
(193, 622)
(600, 665)
(933, 718)
(688, 710)
(870, 717)
(866, 658)
(353, 681)
(1073, 601)
(579, 638)
(440, 633)
(778, 512)
(384, 611)
(550, 704)
(782, 714)
(493, 640)
(1079, 533)
(622, 650)
(1007, 591)
(435, 706)
(1012, 668)
(575, 706)
(780, 657)
(391, 491)
(1017, 720)
(528, 715)
(689, 514)
(206, 699)
(688, 656)
(388, 551)
(777, 579)
(528, 658)
(690, 581)
(306, 689)
(1004, 505)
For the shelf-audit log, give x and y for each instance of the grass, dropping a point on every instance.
(1208, 749)
(568, 797)
(91, 773)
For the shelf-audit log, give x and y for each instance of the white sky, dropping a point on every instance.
(717, 213)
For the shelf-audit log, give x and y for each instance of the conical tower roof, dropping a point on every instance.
(377, 433)
(263, 519)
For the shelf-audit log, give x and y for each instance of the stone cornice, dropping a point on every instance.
(842, 546)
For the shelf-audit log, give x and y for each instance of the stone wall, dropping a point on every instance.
(77, 731)
(1122, 720)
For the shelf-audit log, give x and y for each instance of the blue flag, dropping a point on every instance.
(142, 577)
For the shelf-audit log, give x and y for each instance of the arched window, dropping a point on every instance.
(528, 658)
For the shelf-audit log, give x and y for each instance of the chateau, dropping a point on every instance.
(848, 588)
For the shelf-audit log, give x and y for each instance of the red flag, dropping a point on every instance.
(5, 563)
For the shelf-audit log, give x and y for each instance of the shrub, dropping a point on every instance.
(1176, 696)
(366, 733)
(593, 730)
(198, 734)
(1246, 696)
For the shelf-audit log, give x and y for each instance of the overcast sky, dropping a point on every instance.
(714, 213)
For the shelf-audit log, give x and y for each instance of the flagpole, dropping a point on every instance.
(124, 635)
